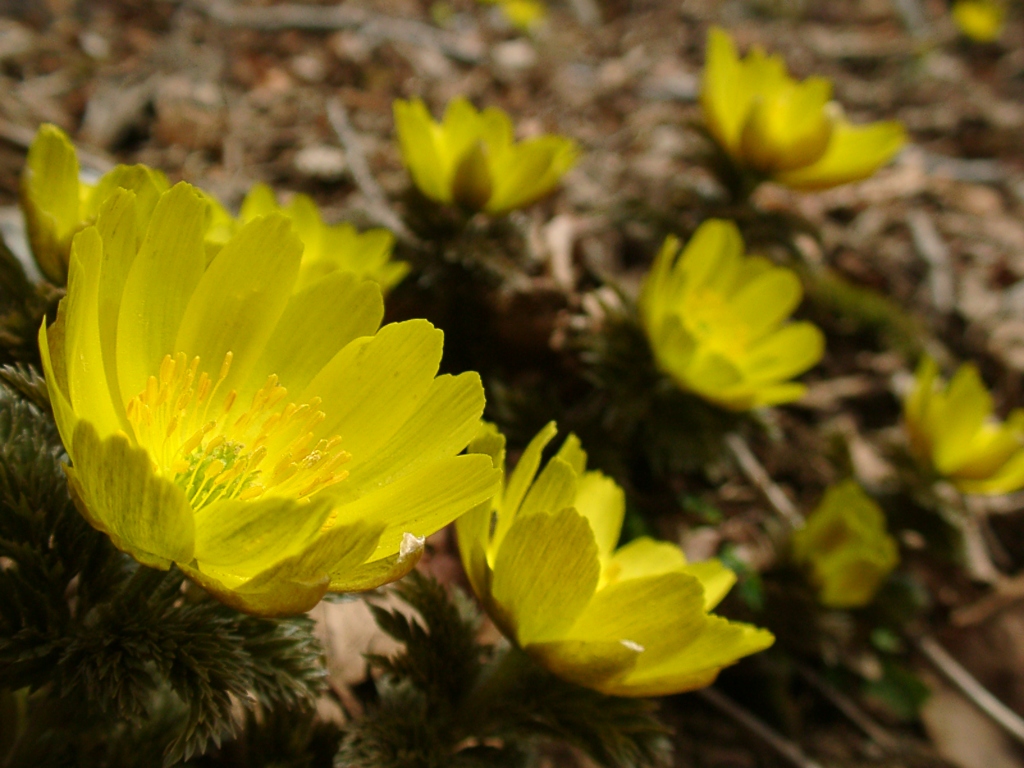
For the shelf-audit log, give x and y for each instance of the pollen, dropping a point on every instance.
(215, 449)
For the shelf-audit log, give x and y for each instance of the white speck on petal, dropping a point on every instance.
(632, 646)
(411, 545)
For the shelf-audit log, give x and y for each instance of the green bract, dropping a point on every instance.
(272, 443)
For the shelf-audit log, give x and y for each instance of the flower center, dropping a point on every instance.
(709, 317)
(213, 452)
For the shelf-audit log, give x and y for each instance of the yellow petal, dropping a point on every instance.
(240, 297)
(421, 151)
(87, 378)
(572, 453)
(789, 351)
(519, 482)
(980, 20)
(298, 348)
(553, 490)
(716, 579)
(297, 583)
(545, 573)
(697, 664)
(118, 224)
(425, 500)
(442, 426)
(967, 404)
(660, 613)
(710, 260)
(50, 199)
(766, 301)
(236, 540)
(854, 153)
(603, 503)
(372, 386)
(789, 129)
(144, 514)
(531, 171)
(724, 101)
(644, 556)
(586, 662)
(259, 201)
(56, 383)
(376, 573)
(147, 184)
(159, 285)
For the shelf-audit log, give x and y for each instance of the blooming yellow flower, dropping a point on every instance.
(57, 204)
(846, 547)
(273, 444)
(716, 321)
(631, 621)
(783, 129)
(329, 247)
(952, 430)
(980, 20)
(471, 158)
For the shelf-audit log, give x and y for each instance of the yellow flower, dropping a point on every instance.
(631, 621)
(522, 14)
(329, 247)
(846, 547)
(952, 429)
(471, 158)
(980, 20)
(273, 444)
(783, 129)
(716, 321)
(57, 204)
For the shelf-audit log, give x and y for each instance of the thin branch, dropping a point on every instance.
(848, 707)
(786, 748)
(759, 476)
(930, 246)
(1007, 592)
(971, 688)
(315, 18)
(376, 200)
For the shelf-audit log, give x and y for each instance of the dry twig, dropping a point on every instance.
(759, 476)
(330, 18)
(971, 688)
(376, 200)
(848, 707)
(776, 741)
(930, 247)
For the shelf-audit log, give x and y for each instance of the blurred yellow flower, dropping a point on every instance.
(522, 14)
(57, 204)
(980, 20)
(952, 430)
(631, 621)
(716, 321)
(786, 130)
(472, 159)
(329, 247)
(273, 444)
(845, 547)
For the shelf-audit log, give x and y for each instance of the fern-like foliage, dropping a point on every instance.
(102, 650)
(448, 701)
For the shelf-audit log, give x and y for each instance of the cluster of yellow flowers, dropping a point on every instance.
(230, 404)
